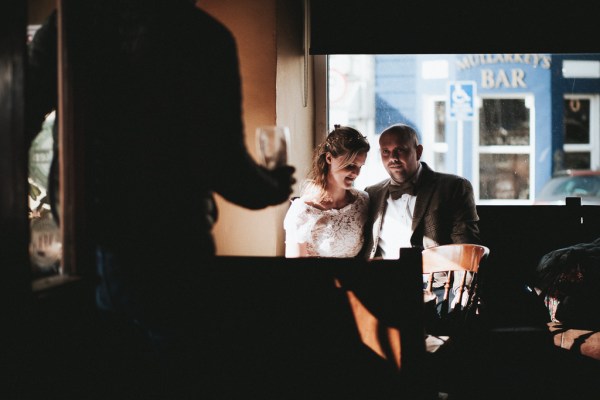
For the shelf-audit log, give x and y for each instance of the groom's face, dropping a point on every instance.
(400, 154)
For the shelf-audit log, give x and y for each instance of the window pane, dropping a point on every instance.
(45, 248)
(574, 160)
(440, 162)
(504, 176)
(504, 122)
(577, 121)
(440, 121)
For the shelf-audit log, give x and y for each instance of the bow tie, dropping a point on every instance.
(397, 190)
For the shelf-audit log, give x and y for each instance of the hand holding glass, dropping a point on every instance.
(271, 145)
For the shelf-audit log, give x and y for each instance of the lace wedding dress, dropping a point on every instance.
(328, 233)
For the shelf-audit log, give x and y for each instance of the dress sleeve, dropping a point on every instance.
(362, 204)
(297, 222)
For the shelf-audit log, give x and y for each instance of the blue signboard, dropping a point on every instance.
(461, 100)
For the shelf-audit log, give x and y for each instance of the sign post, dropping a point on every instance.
(461, 100)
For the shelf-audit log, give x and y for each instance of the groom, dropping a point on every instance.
(416, 206)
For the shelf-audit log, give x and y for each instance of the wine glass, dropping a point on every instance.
(271, 145)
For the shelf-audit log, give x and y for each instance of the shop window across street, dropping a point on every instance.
(580, 121)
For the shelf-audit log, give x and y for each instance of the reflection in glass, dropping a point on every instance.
(504, 176)
(504, 122)
(577, 121)
(577, 160)
(440, 121)
(440, 162)
(576, 186)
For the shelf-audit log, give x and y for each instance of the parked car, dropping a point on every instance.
(571, 183)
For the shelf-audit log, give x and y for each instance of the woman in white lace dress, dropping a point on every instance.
(329, 217)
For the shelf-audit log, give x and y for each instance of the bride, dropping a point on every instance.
(329, 217)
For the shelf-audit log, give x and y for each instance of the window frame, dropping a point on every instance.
(479, 149)
(14, 225)
(593, 147)
(431, 147)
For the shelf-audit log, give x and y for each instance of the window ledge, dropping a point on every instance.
(47, 284)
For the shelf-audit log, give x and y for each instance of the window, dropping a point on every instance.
(504, 150)
(45, 245)
(521, 128)
(580, 120)
(439, 136)
(435, 144)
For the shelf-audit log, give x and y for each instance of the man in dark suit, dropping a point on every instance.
(416, 206)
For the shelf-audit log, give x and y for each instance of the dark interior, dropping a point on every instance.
(306, 333)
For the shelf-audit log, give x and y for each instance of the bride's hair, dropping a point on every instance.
(342, 141)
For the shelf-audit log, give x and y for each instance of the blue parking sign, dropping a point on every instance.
(461, 100)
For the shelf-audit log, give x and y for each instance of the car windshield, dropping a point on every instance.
(582, 186)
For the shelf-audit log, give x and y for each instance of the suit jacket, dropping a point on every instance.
(444, 212)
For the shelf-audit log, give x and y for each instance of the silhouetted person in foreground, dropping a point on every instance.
(157, 86)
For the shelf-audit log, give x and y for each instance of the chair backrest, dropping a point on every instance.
(448, 259)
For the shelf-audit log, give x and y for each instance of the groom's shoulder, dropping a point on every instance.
(449, 178)
(376, 187)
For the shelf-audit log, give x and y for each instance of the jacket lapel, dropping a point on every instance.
(379, 200)
(426, 185)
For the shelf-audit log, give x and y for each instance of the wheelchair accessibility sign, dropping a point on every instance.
(461, 102)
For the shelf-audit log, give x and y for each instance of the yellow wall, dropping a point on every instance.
(269, 35)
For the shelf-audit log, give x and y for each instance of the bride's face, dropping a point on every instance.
(342, 174)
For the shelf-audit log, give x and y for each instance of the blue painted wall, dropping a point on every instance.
(399, 89)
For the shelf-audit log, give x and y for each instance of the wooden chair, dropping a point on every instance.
(449, 259)
(443, 322)
(448, 341)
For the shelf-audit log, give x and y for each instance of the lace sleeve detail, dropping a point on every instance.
(328, 233)
(362, 205)
(297, 223)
